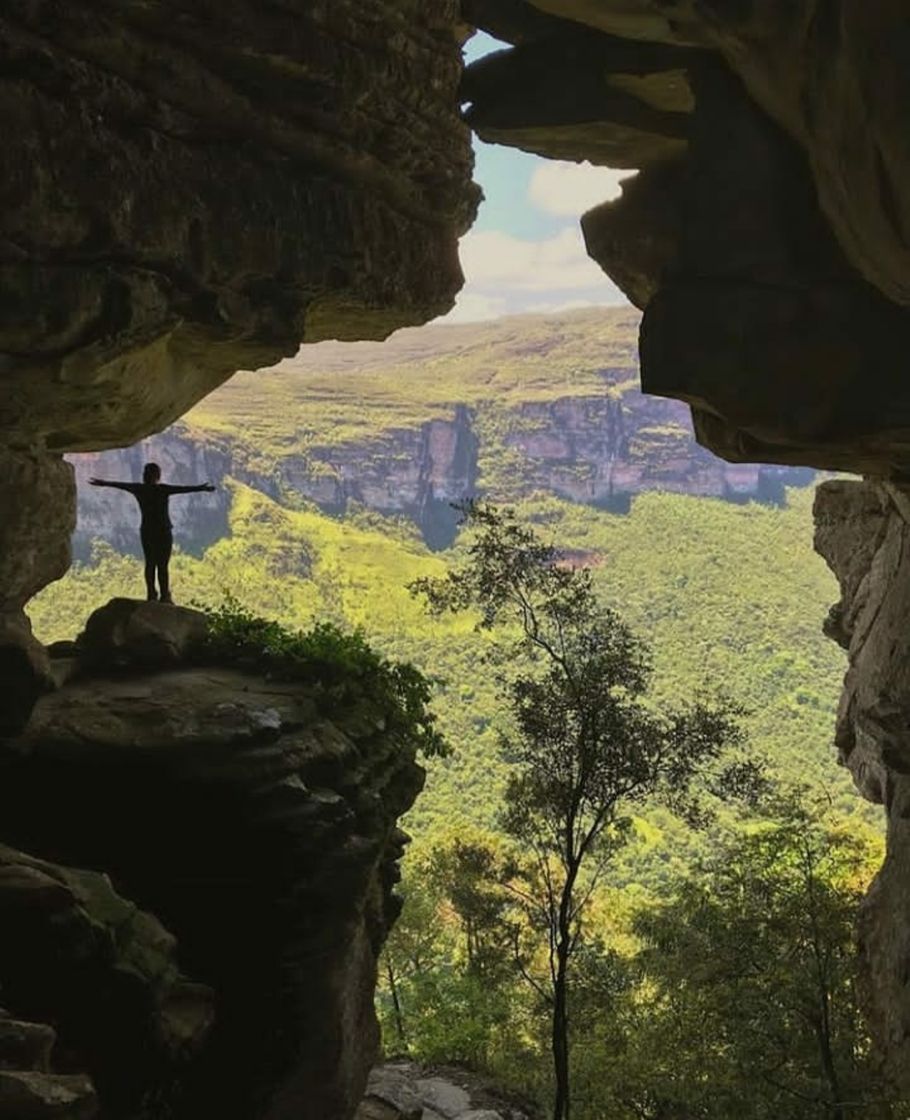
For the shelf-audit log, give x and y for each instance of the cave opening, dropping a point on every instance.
(190, 195)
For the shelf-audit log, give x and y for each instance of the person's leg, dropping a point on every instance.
(148, 551)
(164, 559)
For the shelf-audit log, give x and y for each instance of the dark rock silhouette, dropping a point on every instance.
(254, 820)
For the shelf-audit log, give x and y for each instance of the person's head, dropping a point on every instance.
(151, 472)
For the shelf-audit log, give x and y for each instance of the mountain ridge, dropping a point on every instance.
(537, 403)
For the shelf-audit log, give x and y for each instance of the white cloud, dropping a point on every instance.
(569, 189)
(558, 263)
(506, 275)
(472, 307)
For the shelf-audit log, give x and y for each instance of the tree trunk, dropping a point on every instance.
(396, 1004)
(560, 1039)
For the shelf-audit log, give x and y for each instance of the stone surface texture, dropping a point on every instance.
(257, 820)
(37, 518)
(129, 634)
(766, 235)
(863, 532)
(75, 953)
(191, 190)
(405, 1090)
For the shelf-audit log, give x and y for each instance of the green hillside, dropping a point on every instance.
(731, 597)
(341, 392)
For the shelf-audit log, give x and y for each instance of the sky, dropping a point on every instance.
(525, 252)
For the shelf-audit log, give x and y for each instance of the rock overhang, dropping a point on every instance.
(766, 234)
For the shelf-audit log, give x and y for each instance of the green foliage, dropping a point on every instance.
(343, 665)
(583, 748)
(750, 972)
(723, 594)
(735, 995)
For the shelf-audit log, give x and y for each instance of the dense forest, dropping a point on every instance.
(713, 968)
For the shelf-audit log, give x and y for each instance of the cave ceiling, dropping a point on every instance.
(766, 235)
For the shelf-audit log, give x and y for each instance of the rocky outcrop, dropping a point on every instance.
(765, 236)
(863, 532)
(76, 954)
(37, 518)
(767, 241)
(254, 817)
(187, 194)
(404, 1090)
(190, 192)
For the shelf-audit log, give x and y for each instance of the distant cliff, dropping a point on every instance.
(406, 427)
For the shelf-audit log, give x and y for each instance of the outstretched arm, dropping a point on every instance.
(129, 486)
(207, 486)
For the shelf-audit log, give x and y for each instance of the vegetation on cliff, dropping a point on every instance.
(343, 667)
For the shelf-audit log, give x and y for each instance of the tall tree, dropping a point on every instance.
(752, 972)
(585, 746)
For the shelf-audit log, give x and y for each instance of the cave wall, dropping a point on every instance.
(188, 190)
(765, 239)
(863, 532)
(254, 814)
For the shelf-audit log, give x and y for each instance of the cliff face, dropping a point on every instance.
(602, 451)
(256, 819)
(600, 445)
(863, 532)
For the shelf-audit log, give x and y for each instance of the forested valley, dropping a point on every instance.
(710, 967)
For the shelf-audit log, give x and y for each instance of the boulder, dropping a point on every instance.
(43, 1096)
(391, 1094)
(405, 1090)
(129, 633)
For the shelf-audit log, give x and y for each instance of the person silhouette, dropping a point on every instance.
(155, 530)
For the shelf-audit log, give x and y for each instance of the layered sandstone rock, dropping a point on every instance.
(256, 818)
(766, 234)
(190, 191)
(863, 531)
(601, 450)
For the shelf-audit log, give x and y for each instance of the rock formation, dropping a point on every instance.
(403, 1090)
(598, 443)
(765, 236)
(255, 817)
(766, 239)
(190, 191)
(863, 532)
(126, 1022)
